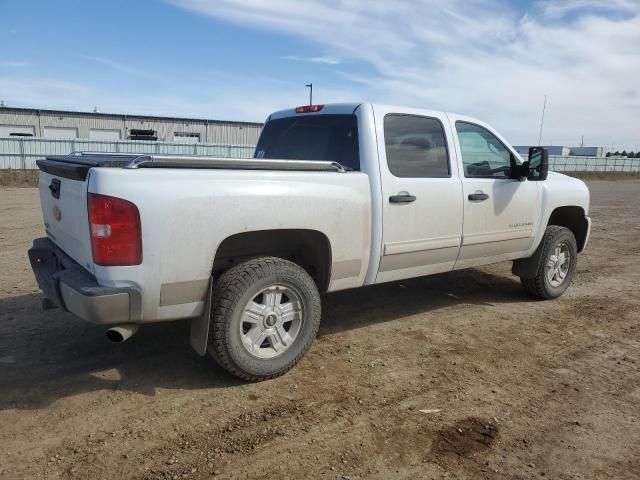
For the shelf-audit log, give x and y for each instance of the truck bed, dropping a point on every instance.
(189, 206)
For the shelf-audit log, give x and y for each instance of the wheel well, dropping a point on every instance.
(571, 217)
(308, 248)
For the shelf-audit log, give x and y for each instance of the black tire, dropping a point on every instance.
(234, 290)
(539, 286)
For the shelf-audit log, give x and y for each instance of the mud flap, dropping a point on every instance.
(200, 325)
(528, 267)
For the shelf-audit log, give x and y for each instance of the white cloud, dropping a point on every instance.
(13, 64)
(477, 56)
(117, 66)
(560, 8)
(326, 60)
(40, 91)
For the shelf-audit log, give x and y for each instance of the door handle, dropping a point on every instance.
(54, 187)
(402, 198)
(478, 197)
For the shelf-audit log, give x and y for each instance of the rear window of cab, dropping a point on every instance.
(325, 137)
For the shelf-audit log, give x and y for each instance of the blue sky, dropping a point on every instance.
(241, 59)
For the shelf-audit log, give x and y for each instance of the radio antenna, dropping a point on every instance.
(544, 107)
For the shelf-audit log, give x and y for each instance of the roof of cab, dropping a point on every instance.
(345, 108)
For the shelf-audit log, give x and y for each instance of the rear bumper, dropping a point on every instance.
(72, 288)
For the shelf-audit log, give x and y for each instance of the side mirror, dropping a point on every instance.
(537, 167)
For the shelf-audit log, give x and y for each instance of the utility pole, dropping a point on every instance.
(544, 107)
(310, 87)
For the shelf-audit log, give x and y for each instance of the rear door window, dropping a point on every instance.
(332, 138)
(416, 147)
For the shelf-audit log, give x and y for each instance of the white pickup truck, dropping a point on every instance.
(336, 197)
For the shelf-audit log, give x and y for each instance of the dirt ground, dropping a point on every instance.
(18, 178)
(522, 389)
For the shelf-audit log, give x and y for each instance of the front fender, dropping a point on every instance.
(560, 191)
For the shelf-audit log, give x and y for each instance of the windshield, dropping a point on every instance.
(332, 138)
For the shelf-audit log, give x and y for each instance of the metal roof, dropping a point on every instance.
(39, 111)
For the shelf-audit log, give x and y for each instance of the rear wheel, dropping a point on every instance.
(265, 314)
(557, 264)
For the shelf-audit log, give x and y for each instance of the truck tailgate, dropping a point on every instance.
(64, 208)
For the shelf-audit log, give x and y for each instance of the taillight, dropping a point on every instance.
(116, 236)
(309, 108)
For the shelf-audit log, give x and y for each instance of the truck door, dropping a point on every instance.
(421, 194)
(500, 211)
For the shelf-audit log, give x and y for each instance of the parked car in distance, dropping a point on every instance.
(337, 197)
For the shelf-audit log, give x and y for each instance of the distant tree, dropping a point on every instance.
(638, 155)
(624, 153)
(608, 154)
(631, 155)
(617, 154)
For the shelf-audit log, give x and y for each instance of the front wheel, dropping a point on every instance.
(265, 314)
(557, 264)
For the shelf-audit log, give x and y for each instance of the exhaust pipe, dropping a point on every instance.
(121, 333)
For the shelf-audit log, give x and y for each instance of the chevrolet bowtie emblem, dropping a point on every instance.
(57, 214)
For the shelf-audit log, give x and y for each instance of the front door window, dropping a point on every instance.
(483, 155)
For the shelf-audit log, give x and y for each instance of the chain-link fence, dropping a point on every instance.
(594, 164)
(19, 153)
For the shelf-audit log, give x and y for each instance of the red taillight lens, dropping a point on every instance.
(309, 108)
(116, 236)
